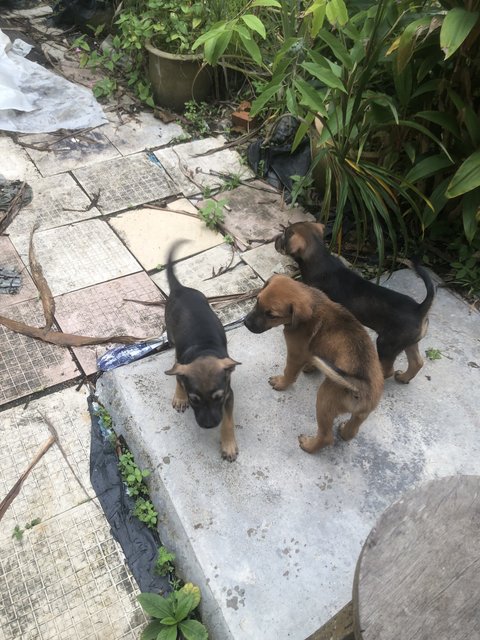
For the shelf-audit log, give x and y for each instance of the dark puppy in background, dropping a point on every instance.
(202, 366)
(323, 334)
(399, 320)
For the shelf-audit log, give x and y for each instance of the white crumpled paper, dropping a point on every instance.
(35, 100)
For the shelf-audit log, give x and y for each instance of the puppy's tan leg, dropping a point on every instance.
(349, 429)
(387, 367)
(227, 431)
(297, 357)
(180, 398)
(327, 410)
(415, 363)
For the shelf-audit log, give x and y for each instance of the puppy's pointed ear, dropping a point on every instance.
(228, 364)
(177, 370)
(320, 228)
(301, 311)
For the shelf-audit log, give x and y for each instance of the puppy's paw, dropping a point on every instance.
(230, 453)
(180, 403)
(278, 382)
(402, 377)
(309, 368)
(310, 444)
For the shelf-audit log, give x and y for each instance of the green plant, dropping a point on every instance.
(229, 239)
(17, 533)
(132, 475)
(212, 213)
(232, 182)
(197, 115)
(164, 562)
(433, 354)
(145, 512)
(171, 615)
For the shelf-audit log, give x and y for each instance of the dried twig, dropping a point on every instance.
(38, 278)
(13, 208)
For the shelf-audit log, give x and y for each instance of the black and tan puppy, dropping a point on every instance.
(324, 334)
(202, 366)
(399, 321)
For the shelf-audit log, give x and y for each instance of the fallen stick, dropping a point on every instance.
(15, 490)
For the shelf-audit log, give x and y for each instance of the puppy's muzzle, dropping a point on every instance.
(255, 323)
(280, 243)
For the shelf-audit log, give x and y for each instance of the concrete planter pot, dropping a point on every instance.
(177, 78)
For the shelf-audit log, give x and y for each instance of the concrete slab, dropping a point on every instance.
(256, 213)
(265, 261)
(189, 164)
(273, 538)
(103, 310)
(66, 578)
(126, 182)
(201, 271)
(78, 255)
(137, 132)
(15, 163)
(11, 260)
(28, 365)
(57, 200)
(148, 233)
(65, 153)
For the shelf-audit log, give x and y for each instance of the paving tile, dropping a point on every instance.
(197, 272)
(102, 310)
(256, 213)
(138, 132)
(15, 163)
(26, 364)
(10, 259)
(51, 487)
(266, 261)
(78, 255)
(67, 153)
(57, 200)
(68, 608)
(191, 172)
(148, 233)
(126, 182)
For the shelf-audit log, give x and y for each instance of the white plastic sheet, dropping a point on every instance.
(35, 100)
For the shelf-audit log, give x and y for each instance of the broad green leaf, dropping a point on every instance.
(252, 47)
(445, 120)
(152, 630)
(155, 605)
(266, 3)
(168, 621)
(263, 99)
(326, 76)
(426, 132)
(215, 47)
(214, 32)
(185, 604)
(455, 28)
(338, 50)
(170, 633)
(291, 101)
(428, 167)
(337, 13)
(194, 591)
(471, 213)
(255, 24)
(318, 19)
(408, 39)
(302, 130)
(472, 123)
(311, 98)
(466, 178)
(193, 630)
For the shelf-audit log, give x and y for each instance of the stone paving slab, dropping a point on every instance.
(78, 255)
(265, 261)
(15, 163)
(10, 259)
(257, 212)
(138, 132)
(67, 153)
(28, 365)
(102, 310)
(273, 538)
(149, 233)
(57, 200)
(126, 182)
(197, 272)
(197, 169)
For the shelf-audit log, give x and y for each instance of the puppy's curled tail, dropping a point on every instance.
(173, 283)
(338, 376)
(425, 276)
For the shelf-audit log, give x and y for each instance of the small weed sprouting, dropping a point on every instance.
(18, 533)
(164, 562)
(132, 475)
(212, 213)
(196, 115)
(229, 239)
(171, 615)
(104, 416)
(145, 512)
(433, 354)
(33, 523)
(232, 182)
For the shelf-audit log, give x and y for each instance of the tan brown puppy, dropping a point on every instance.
(399, 321)
(322, 333)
